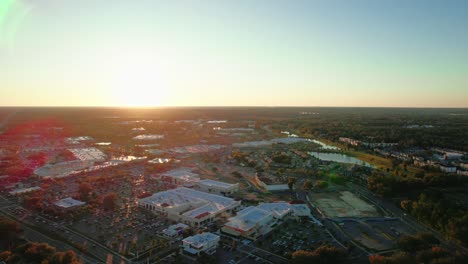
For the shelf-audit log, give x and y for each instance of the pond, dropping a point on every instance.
(323, 145)
(338, 157)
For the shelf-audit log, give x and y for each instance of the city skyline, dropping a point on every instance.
(242, 53)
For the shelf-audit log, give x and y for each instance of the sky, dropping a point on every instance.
(365, 53)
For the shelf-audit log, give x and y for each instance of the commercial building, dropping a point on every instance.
(175, 230)
(218, 187)
(88, 154)
(256, 221)
(180, 177)
(68, 203)
(205, 242)
(189, 206)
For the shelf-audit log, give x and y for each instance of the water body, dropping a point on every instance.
(341, 158)
(323, 145)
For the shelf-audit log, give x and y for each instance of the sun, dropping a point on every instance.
(138, 82)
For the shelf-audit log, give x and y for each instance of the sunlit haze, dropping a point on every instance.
(234, 53)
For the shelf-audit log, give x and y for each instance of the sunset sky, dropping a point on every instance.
(234, 53)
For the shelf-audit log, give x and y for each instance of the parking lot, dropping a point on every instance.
(376, 234)
(293, 236)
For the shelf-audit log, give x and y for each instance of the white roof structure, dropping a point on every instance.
(176, 229)
(200, 240)
(88, 154)
(148, 137)
(63, 169)
(24, 190)
(220, 202)
(255, 215)
(180, 172)
(76, 140)
(279, 210)
(217, 184)
(184, 175)
(169, 199)
(248, 218)
(69, 203)
(190, 203)
(202, 148)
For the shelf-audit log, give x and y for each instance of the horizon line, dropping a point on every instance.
(229, 106)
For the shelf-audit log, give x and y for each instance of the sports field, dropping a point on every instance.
(343, 204)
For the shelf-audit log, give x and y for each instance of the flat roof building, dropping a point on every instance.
(218, 187)
(255, 221)
(189, 206)
(180, 177)
(204, 242)
(91, 154)
(175, 230)
(68, 203)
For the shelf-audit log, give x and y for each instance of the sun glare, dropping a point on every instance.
(138, 82)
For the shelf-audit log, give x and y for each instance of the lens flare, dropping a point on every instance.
(12, 15)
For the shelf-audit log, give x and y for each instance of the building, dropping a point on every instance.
(270, 183)
(175, 230)
(251, 223)
(19, 191)
(201, 243)
(218, 187)
(180, 177)
(88, 154)
(189, 206)
(350, 141)
(68, 203)
(256, 221)
(62, 169)
(448, 168)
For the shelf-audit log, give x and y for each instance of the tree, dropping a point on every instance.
(417, 242)
(109, 202)
(323, 255)
(307, 185)
(84, 190)
(9, 230)
(68, 257)
(291, 182)
(34, 252)
(397, 258)
(321, 184)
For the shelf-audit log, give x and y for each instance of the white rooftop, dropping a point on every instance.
(88, 154)
(218, 184)
(248, 218)
(184, 174)
(24, 190)
(220, 201)
(68, 203)
(277, 209)
(148, 137)
(202, 204)
(200, 240)
(169, 199)
(175, 228)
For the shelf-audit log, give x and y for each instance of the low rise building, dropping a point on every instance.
(256, 221)
(448, 168)
(218, 187)
(180, 177)
(251, 223)
(200, 243)
(68, 203)
(175, 230)
(189, 206)
(88, 154)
